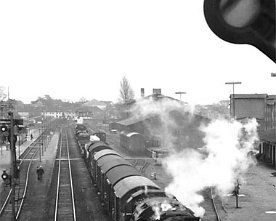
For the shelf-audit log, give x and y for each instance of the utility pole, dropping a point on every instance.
(180, 93)
(13, 164)
(233, 97)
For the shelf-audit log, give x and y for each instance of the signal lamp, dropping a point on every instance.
(3, 128)
(5, 175)
(244, 22)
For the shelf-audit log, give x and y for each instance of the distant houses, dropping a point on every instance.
(57, 109)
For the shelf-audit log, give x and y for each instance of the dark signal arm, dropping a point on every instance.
(244, 22)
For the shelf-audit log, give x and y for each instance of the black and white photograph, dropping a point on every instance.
(149, 110)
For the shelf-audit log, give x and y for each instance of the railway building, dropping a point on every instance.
(152, 128)
(263, 108)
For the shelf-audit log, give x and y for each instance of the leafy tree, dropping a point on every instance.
(83, 100)
(126, 92)
(3, 95)
(220, 109)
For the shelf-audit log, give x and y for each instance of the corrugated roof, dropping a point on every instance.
(104, 152)
(97, 146)
(119, 172)
(111, 163)
(114, 159)
(133, 182)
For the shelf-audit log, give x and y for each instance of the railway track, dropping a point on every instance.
(65, 201)
(72, 194)
(214, 209)
(7, 210)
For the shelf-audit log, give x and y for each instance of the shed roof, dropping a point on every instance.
(133, 182)
(119, 172)
(249, 96)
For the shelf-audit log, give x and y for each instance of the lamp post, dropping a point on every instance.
(233, 97)
(180, 93)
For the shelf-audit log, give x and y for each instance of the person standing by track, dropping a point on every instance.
(39, 172)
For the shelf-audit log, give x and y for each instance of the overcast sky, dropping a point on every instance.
(73, 49)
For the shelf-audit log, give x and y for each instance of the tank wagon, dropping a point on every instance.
(126, 194)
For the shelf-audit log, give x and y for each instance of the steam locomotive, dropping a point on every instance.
(126, 194)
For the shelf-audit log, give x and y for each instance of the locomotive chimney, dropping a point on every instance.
(156, 91)
(142, 92)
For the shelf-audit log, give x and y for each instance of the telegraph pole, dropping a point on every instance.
(180, 93)
(233, 97)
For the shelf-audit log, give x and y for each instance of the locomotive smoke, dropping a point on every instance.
(218, 160)
(227, 145)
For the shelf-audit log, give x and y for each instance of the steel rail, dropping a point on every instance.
(70, 180)
(5, 203)
(28, 151)
(214, 204)
(58, 181)
(26, 185)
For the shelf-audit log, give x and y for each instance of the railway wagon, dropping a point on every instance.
(80, 128)
(83, 138)
(126, 193)
(132, 141)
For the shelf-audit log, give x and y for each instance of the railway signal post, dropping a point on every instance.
(7, 129)
(13, 166)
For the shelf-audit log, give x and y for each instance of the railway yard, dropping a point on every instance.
(70, 191)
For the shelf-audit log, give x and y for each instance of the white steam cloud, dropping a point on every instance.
(225, 159)
(202, 153)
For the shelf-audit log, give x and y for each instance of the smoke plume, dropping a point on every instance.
(222, 160)
(203, 153)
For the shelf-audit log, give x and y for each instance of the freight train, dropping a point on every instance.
(84, 136)
(126, 194)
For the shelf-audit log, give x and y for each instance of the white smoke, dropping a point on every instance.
(166, 125)
(225, 159)
(208, 155)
